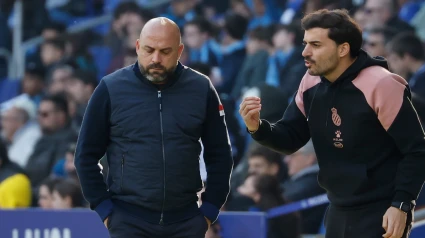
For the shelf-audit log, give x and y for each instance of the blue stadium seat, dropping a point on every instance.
(9, 88)
(102, 56)
(418, 230)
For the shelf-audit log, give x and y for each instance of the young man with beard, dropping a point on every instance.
(150, 118)
(369, 142)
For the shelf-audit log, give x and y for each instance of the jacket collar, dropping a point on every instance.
(170, 81)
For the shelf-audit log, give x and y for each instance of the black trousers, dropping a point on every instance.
(121, 224)
(364, 222)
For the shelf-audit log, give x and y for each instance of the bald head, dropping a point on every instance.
(159, 48)
(161, 27)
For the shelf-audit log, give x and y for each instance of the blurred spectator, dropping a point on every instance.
(54, 122)
(65, 167)
(53, 30)
(45, 197)
(77, 53)
(197, 34)
(67, 194)
(15, 187)
(376, 39)
(261, 161)
(302, 184)
(180, 11)
(128, 21)
(19, 130)
(286, 65)
(407, 56)
(266, 192)
(261, 15)
(58, 78)
(241, 8)
(254, 68)
(52, 52)
(381, 13)
(127, 58)
(80, 87)
(233, 51)
(33, 83)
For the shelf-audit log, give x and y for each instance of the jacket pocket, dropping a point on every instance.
(345, 180)
(117, 170)
(122, 172)
(187, 122)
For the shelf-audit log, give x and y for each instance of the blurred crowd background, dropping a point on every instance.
(246, 47)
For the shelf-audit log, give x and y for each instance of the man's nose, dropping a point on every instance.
(156, 57)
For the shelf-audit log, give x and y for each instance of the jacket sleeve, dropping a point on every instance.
(91, 147)
(398, 116)
(217, 156)
(288, 134)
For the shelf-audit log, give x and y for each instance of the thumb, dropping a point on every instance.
(385, 222)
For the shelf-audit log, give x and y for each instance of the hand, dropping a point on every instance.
(208, 222)
(105, 222)
(394, 222)
(250, 111)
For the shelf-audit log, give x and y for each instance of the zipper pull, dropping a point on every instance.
(160, 101)
(161, 222)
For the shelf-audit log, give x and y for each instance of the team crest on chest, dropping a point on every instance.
(335, 117)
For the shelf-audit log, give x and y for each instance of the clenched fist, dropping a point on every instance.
(250, 111)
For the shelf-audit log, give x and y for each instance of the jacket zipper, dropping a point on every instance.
(161, 221)
(122, 170)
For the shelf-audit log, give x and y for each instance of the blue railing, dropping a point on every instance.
(83, 223)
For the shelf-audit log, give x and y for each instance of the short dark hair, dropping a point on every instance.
(407, 43)
(58, 43)
(69, 187)
(262, 33)
(342, 28)
(202, 24)
(56, 26)
(50, 182)
(235, 25)
(126, 7)
(59, 101)
(293, 28)
(85, 76)
(259, 150)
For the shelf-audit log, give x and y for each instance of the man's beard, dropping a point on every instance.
(156, 77)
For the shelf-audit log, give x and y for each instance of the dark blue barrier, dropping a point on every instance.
(243, 224)
(36, 223)
(83, 223)
(297, 206)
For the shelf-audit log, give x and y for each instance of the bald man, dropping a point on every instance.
(149, 119)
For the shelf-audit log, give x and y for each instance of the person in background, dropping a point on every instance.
(266, 192)
(45, 196)
(20, 130)
(15, 187)
(65, 167)
(67, 194)
(302, 184)
(407, 54)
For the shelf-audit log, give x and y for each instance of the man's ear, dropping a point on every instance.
(181, 48)
(343, 49)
